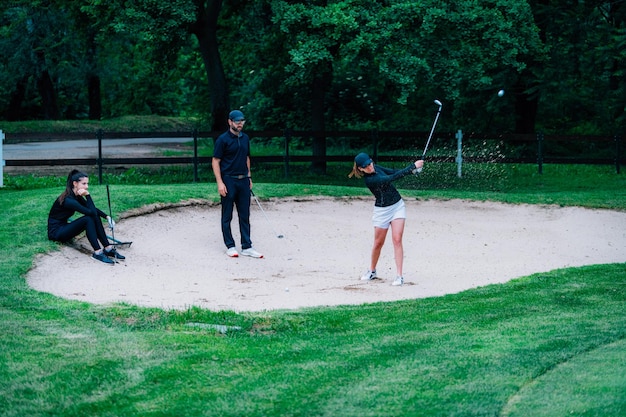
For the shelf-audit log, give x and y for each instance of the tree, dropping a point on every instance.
(315, 32)
(35, 42)
(204, 27)
(168, 25)
(456, 49)
(582, 85)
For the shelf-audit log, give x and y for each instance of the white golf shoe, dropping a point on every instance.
(369, 275)
(398, 281)
(232, 252)
(251, 253)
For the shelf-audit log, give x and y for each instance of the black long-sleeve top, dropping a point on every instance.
(61, 213)
(380, 183)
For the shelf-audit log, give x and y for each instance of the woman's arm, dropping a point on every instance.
(72, 203)
(91, 204)
(386, 175)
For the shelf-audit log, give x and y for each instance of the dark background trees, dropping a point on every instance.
(320, 64)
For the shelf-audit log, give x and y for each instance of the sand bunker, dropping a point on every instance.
(178, 260)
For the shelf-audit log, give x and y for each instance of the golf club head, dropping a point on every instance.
(437, 102)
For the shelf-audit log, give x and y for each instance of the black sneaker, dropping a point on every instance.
(102, 258)
(113, 253)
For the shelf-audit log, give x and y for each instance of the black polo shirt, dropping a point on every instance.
(233, 152)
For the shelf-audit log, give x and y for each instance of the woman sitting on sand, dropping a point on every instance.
(76, 198)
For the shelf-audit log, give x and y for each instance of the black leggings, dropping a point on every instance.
(90, 225)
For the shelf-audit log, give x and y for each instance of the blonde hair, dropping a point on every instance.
(356, 172)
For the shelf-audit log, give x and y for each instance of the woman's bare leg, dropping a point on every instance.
(379, 240)
(397, 231)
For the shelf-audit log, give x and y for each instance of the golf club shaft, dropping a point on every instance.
(111, 216)
(430, 136)
(110, 211)
(258, 203)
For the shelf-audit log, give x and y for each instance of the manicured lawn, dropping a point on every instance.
(549, 344)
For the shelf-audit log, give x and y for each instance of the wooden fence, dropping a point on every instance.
(540, 148)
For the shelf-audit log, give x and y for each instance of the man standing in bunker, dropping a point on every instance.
(231, 166)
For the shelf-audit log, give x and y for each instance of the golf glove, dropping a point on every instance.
(111, 223)
(416, 171)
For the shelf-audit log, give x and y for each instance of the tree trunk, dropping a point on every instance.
(320, 86)
(205, 30)
(93, 79)
(14, 111)
(49, 106)
(617, 18)
(525, 108)
(95, 98)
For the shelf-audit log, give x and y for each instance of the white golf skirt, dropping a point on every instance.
(383, 216)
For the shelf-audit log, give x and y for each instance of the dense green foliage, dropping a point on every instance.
(321, 64)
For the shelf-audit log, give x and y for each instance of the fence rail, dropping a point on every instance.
(543, 147)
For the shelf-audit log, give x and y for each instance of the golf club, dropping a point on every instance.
(265, 215)
(111, 225)
(110, 213)
(437, 102)
(114, 241)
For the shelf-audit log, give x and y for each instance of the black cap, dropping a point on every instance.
(236, 116)
(362, 160)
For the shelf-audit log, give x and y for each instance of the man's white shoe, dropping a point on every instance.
(398, 281)
(251, 253)
(369, 275)
(232, 252)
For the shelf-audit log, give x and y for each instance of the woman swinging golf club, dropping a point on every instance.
(389, 209)
(76, 198)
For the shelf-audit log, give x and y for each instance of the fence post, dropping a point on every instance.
(286, 155)
(459, 153)
(2, 163)
(540, 152)
(618, 152)
(99, 135)
(374, 136)
(195, 155)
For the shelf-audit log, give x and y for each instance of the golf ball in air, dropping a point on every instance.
(500, 93)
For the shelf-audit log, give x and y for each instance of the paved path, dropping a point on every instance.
(87, 148)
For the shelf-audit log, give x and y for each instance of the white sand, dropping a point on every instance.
(177, 258)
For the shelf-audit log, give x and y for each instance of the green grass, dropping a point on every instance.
(548, 344)
(578, 185)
